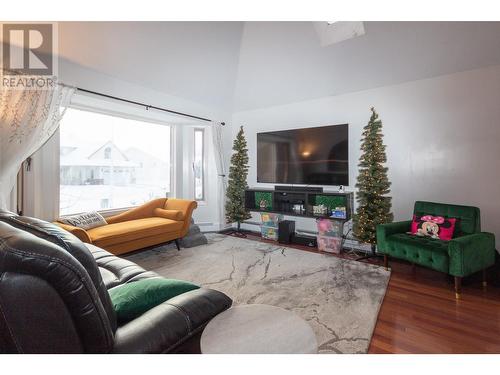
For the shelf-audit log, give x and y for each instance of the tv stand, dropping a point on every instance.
(316, 189)
(286, 201)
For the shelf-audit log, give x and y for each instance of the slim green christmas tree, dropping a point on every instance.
(238, 172)
(374, 206)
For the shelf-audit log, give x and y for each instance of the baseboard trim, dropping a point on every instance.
(210, 227)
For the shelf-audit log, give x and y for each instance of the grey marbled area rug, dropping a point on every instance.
(339, 298)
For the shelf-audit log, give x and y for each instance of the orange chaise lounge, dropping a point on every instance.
(159, 221)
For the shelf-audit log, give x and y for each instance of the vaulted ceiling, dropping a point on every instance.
(245, 65)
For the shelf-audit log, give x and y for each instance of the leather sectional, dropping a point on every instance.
(54, 297)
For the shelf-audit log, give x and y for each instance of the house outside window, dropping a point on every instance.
(109, 162)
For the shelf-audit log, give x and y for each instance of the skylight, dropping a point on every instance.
(331, 32)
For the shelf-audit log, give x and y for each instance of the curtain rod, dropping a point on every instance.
(146, 105)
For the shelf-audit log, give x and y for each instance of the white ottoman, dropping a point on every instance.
(258, 329)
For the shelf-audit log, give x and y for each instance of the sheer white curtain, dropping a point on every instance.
(28, 118)
(220, 162)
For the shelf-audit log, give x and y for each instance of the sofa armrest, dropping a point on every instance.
(471, 253)
(177, 215)
(140, 212)
(80, 233)
(166, 326)
(186, 206)
(156, 331)
(385, 230)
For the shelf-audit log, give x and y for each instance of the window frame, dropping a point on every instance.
(128, 112)
(196, 129)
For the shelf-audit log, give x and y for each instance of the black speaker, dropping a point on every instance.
(286, 230)
(305, 240)
(315, 189)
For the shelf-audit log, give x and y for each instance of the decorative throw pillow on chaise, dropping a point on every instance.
(134, 299)
(87, 220)
(437, 227)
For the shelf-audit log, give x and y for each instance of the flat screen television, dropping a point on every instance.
(309, 156)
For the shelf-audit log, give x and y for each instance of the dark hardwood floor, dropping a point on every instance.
(420, 314)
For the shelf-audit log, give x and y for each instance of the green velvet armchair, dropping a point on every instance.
(468, 252)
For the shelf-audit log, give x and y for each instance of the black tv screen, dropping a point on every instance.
(310, 156)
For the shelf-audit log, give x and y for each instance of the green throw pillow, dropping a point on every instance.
(134, 299)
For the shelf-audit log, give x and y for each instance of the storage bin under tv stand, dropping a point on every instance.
(283, 201)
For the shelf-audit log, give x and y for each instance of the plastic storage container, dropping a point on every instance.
(329, 235)
(269, 233)
(270, 225)
(327, 227)
(329, 244)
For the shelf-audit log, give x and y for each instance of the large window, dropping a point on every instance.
(110, 162)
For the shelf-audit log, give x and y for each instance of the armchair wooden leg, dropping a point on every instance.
(458, 287)
(177, 244)
(485, 282)
(386, 261)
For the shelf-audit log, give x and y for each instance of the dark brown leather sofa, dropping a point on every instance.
(54, 297)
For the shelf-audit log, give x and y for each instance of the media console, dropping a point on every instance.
(285, 201)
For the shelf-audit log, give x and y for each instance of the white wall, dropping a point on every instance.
(442, 136)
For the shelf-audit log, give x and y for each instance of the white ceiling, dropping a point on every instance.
(246, 65)
(193, 60)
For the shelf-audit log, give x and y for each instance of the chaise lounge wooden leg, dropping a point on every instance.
(386, 261)
(177, 244)
(485, 282)
(458, 287)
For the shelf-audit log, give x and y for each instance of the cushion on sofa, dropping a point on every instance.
(169, 214)
(134, 299)
(437, 227)
(468, 217)
(87, 220)
(117, 233)
(115, 270)
(424, 251)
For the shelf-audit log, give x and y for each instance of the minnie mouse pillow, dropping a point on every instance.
(437, 227)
